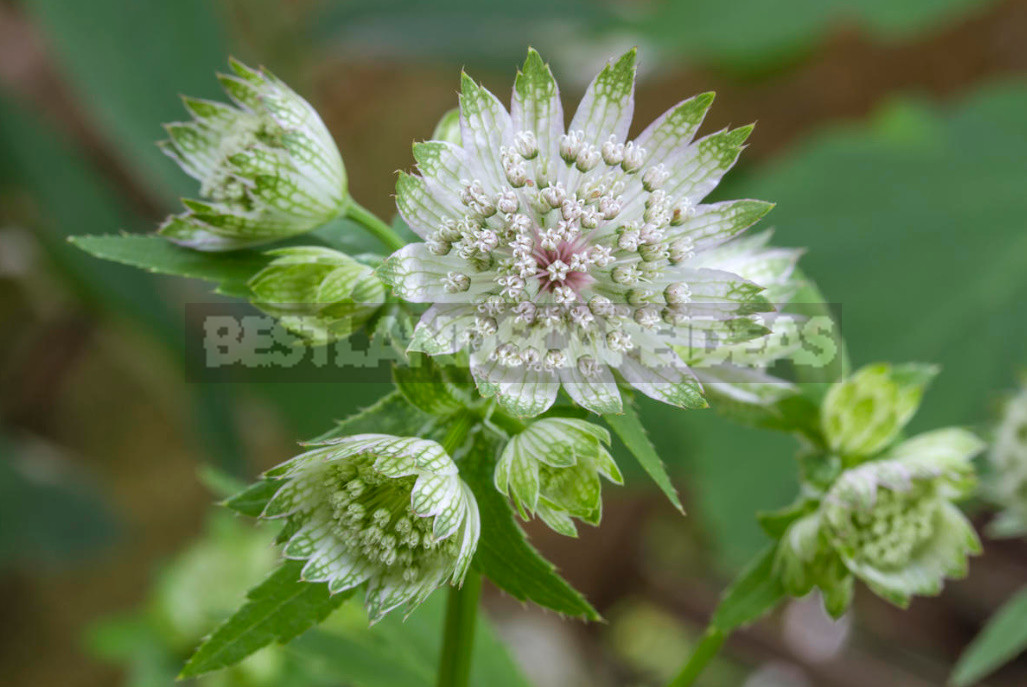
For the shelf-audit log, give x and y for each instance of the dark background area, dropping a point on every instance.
(890, 133)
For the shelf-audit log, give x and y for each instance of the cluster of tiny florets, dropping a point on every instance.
(888, 534)
(555, 259)
(372, 513)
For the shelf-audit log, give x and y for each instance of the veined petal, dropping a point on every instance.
(422, 211)
(484, 129)
(707, 160)
(668, 383)
(711, 225)
(535, 105)
(609, 102)
(441, 328)
(598, 394)
(667, 139)
(416, 274)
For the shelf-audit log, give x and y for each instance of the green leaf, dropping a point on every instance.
(628, 427)
(391, 414)
(504, 554)
(278, 610)
(753, 594)
(398, 651)
(1001, 640)
(929, 298)
(230, 271)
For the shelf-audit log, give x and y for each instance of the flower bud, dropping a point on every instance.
(268, 168)
(448, 128)
(892, 520)
(552, 469)
(863, 414)
(317, 293)
(391, 511)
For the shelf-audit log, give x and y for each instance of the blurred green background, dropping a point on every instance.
(890, 133)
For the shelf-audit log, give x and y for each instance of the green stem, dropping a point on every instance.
(700, 658)
(382, 231)
(458, 643)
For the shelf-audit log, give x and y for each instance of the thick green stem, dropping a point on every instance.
(458, 643)
(700, 658)
(382, 231)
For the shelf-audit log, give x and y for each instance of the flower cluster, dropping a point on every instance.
(552, 469)
(558, 256)
(1008, 458)
(317, 293)
(268, 168)
(391, 511)
(889, 518)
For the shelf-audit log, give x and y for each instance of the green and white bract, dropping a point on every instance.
(391, 511)
(737, 371)
(317, 293)
(1008, 457)
(552, 468)
(557, 256)
(268, 168)
(863, 414)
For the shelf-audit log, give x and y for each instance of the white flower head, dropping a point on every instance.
(268, 168)
(389, 511)
(596, 217)
(552, 469)
(317, 293)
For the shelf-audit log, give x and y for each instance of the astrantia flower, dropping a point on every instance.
(893, 522)
(1008, 457)
(268, 168)
(317, 293)
(890, 522)
(552, 469)
(391, 511)
(557, 256)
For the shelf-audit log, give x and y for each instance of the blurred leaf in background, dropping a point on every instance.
(126, 60)
(208, 580)
(50, 513)
(761, 34)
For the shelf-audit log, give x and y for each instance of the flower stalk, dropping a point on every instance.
(458, 641)
(379, 229)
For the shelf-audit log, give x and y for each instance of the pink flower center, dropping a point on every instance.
(555, 266)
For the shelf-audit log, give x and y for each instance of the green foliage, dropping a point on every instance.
(150, 50)
(628, 427)
(230, 271)
(398, 651)
(912, 223)
(504, 554)
(755, 35)
(754, 593)
(49, 512)
(1004, 637)
(278, 610)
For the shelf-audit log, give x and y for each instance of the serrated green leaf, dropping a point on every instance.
(391, 414)
(628, 427)
(754, 593)
(504, 554)
(277, 610)
(230, 271)
(1001, 640)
